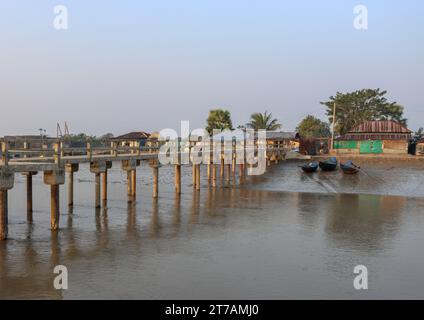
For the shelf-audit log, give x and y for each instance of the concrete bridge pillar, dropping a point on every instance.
(214, 175)
(28, 176)
(7, 179)
(241, 171)
(54, 178)
(194, 176)
(98, 168)
(134, 183)
(178, 178)
(130, 166)
(71, 168)
(104, 183)
(198, 177)
(155, 168)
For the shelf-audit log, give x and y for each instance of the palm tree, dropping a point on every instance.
(219, 119)
(263, 121)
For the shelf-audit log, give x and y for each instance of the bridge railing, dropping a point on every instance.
(57, 151)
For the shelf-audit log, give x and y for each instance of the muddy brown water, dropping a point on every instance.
(284, 235)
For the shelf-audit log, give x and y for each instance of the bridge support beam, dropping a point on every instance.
(214, 175)
(29, 197)
(104, 188)
(241, 171)
(54, 179)
(54, 204)
(97, 168)
(198, 177)
(71, 168)
(3, 214)
(221, 168)
(155, 170)
(194, 176)
(130, 166)
(129, 185)
(7, 180)
(134, 184)
(178, 178)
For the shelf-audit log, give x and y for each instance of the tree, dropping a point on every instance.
(263, 121)
(311, 127)
(106, 137)
(80, 140)
(219, 119)
(356, 107)
(417, 136)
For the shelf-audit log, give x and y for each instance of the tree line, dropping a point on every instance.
(350, 110)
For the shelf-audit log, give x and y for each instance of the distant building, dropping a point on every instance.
(375, 137)
(288, 140)
(29, 141)
(132, 139)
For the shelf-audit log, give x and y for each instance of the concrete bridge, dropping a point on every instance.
(57, 162)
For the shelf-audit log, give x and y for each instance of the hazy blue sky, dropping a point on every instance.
(146, 65)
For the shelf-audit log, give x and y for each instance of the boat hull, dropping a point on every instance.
(309, 168)
(350, 168)
(327, 166)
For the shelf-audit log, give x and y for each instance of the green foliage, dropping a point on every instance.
(311, 127)
(418, 136)
(219, 119)
(80, 140)
(263, 121)
(356, 107)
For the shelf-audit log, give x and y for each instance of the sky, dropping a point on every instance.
(146, 65)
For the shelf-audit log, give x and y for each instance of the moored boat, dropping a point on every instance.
(310, 167)
(329, 165)
(349, 167)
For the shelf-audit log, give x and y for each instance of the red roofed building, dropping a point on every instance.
(132, 139)
(375, 137)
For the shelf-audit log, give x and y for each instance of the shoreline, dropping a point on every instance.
(408, 161)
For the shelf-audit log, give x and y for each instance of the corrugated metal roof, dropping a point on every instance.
(386, 126)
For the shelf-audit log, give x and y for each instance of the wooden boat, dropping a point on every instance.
(349, 167)
(310, 167)
(329, 165)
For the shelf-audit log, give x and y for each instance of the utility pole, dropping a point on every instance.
(42, 133)
(334, 123)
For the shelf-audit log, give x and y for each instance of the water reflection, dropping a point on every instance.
(363, 222)
(220, 236)
(155, 220)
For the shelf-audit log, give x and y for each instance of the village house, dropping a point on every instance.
(374, 137)
(278, 139)
(132, 139)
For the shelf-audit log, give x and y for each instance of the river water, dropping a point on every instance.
(284, 235)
